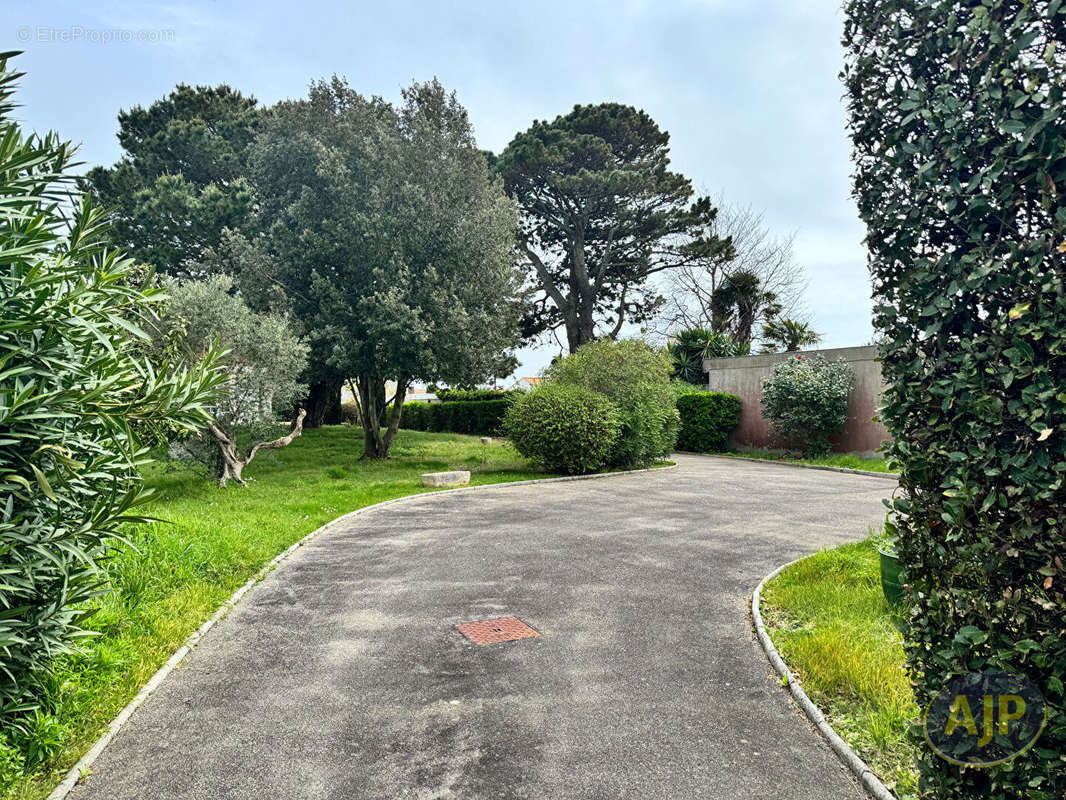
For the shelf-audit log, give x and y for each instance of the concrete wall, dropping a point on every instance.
(743, 376)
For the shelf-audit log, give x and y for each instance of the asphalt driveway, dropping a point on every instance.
(342, 674)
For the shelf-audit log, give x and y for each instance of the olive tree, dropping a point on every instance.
(263, 360)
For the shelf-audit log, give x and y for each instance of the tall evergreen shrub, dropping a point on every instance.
(959, 131)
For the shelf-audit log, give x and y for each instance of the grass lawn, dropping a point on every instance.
(833, 460)
(179, 572)
(827, 617)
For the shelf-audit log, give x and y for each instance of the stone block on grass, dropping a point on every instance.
(459, 477)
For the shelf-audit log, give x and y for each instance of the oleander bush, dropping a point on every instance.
(636, 378)
(477, 417)
(74, 387)
(707, 419)
(958, 119)
(564, 428)
(806, 401)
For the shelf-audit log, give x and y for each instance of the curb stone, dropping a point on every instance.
(892, 476)
(859, 768)
(82, 767)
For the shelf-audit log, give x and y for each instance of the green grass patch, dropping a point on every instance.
(829, 620)
(175, 574)
(844, 460)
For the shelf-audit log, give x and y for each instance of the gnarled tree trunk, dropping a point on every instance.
(232, 463)
(377, 415)
(324, 403)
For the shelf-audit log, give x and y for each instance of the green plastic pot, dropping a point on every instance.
(890, 576)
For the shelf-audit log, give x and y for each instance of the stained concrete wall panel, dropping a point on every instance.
(743, 376)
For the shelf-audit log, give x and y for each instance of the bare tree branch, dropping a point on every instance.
(690, 287)
(232, 463)
(283, 441)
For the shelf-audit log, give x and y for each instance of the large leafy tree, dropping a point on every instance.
(390, 241)
(74, 388)
(958, 119)
(181, 180)
(601, 213)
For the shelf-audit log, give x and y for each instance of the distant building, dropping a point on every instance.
(525, 384)
(421, 393)
(416, 391)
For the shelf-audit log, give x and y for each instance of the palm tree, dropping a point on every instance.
(739, 302)
(788, 335)
(688, 349)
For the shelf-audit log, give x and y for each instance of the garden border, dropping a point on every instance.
(889, 475)
(83, 765)
(859, 768)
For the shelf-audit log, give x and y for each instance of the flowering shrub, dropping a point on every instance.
(806, 401)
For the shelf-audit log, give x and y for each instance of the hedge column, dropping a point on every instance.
(959, 132)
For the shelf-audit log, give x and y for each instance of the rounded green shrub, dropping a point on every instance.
(567, 429)
(806, 401)
(636, 378)
(350, 414)
(707, 419)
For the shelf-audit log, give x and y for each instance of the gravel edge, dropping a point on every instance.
(849, 757)
(892, 476)
(84, 764)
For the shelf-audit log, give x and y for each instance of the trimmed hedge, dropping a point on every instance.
(707, 419)
(482, 418)
(475, 395)
(564, 428)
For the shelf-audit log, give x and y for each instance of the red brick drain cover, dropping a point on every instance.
(494, 631)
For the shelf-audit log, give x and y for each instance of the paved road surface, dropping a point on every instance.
(342, 674)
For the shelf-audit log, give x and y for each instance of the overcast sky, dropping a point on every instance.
(749, 91)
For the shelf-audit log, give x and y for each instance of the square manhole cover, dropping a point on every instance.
(494, 631)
